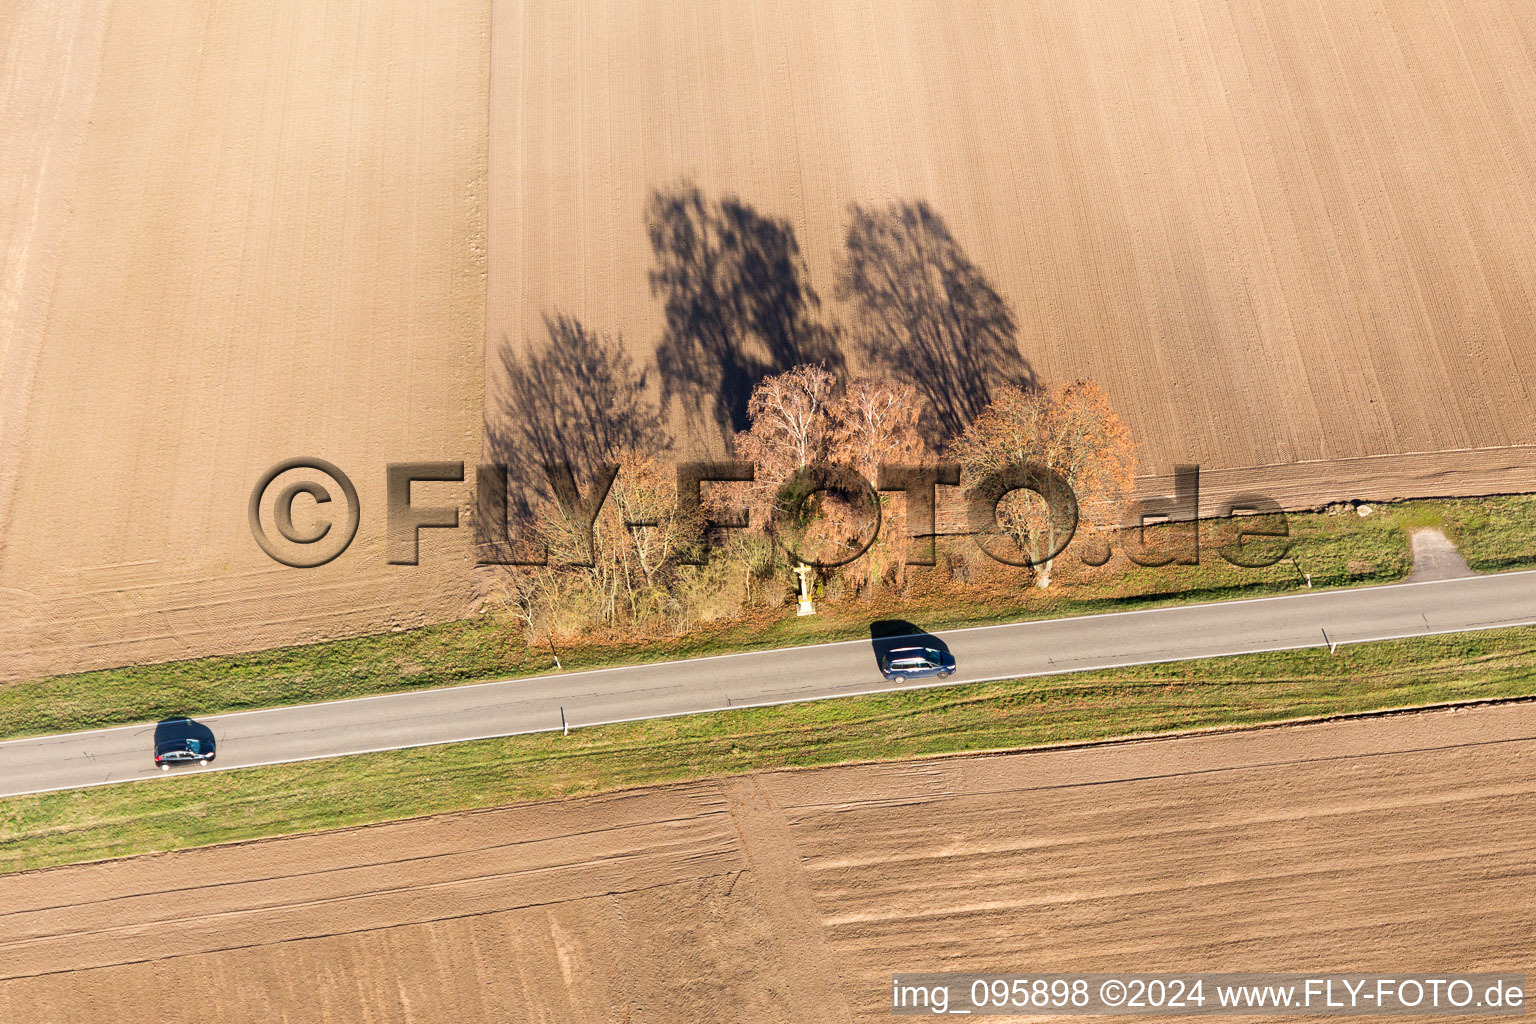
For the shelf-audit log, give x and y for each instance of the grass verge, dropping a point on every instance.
(195, 810)
(1494, 534)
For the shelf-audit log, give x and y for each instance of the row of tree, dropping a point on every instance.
(798, 420)
(622, 575)
(746, 341)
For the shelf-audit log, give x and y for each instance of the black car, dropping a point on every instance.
(182, 751)
(917, 663)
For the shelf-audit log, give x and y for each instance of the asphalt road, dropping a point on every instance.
(1308, 619)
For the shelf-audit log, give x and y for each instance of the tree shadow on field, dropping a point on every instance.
(926, 313)
(739, 305)
(577, 399)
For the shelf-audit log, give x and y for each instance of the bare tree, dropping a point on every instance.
(790, 424)
(618, 573)
(798, 421)
(577, 400)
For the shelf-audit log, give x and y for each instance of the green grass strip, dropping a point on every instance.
(198, 809)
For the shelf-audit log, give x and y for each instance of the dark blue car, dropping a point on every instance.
(182, 751)
(917, 663)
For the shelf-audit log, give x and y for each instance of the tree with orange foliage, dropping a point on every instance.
(876, 423)
(1072, 430)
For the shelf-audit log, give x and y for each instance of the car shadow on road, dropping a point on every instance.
(176, 729)
(887, 635)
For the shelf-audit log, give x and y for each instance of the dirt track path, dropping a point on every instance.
(1373, 844)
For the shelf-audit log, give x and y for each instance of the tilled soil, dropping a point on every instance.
(1372, 845)
(1290, 239)
(239, 234)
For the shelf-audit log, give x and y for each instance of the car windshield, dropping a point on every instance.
(915, 657)
(182, 748)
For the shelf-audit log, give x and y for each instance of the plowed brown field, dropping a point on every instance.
(1377, 845)
(1291, 238)
(235, 234)
(1286, 236)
